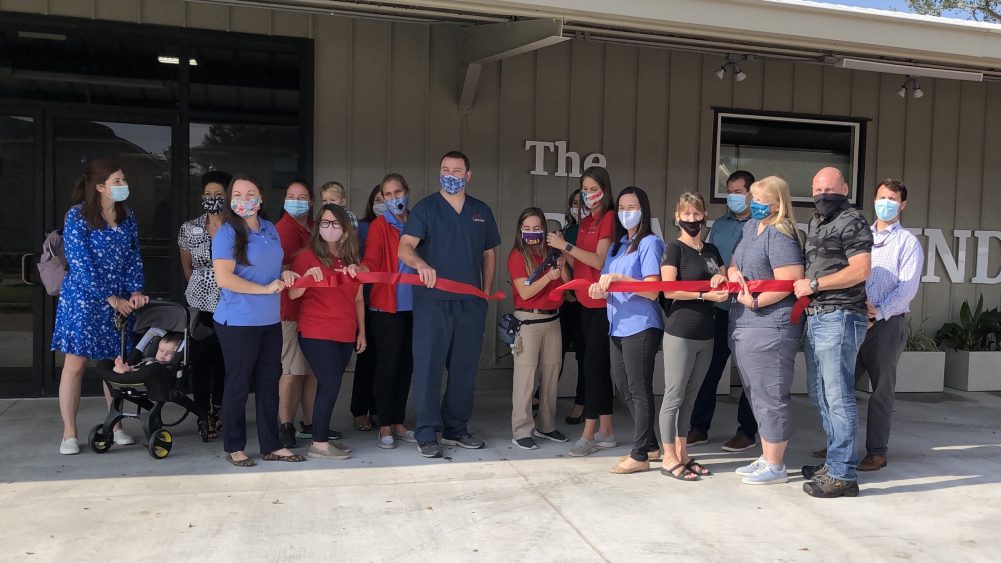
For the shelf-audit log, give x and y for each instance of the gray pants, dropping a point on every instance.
(685, 365)
(766, 359)
(878, 356)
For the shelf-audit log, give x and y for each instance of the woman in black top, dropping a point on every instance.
(688, 332)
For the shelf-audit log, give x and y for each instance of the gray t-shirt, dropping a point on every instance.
(756, 256)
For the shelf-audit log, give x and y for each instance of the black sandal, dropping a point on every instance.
(702, 470)
(245, 462)
(683, 476)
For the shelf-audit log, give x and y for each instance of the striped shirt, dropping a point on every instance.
(897, 260)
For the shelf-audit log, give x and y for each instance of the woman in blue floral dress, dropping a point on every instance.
(105, 278)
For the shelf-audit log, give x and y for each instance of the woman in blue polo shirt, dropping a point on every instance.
(635, 321)
(247, 260)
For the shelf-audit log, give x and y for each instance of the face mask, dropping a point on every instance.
(828, 203)
(578, 214)
(532, 237)
(887, 209)
(331, 234)
(245, 207)
(693, 228)
(591, 199)
(760, 211)
(398, 205)
(296, 207)
(213, 204)
(119, 193)
(451, 184)
(736, 202)
(630, 219)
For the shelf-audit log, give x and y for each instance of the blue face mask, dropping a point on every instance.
(736, 202)
(398, 205)
(760, 211)
(296, 207)
(887, 209)
(630, 219)
(451, 184)
(119, 193)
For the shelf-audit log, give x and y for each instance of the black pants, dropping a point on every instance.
(208, 370)
(573, 336)
(632, 359)
(596, 368)
(362, 392)
(253, 355)
(878, 356)
(705, 403)
(328, 359)
(392, 349)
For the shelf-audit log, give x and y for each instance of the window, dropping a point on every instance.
(793, 147)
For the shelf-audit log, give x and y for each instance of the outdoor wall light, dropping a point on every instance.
(910, 84)
(739, 75)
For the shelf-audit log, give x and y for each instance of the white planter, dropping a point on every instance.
(568, 382)
(917, 372)
(973, 371)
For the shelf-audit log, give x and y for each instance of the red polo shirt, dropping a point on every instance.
(293, 237)
(591, 231)
(516, 269)
(327, 313)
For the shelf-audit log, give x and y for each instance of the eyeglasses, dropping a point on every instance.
(327, 224)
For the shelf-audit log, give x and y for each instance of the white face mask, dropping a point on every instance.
(630, 219)
(579, 214)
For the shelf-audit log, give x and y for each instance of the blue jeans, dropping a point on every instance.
(832, 343)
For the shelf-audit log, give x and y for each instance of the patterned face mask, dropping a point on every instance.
(451, 184)
(245, 207)
(213, 204)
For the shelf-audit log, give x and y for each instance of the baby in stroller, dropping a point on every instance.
(149, 376)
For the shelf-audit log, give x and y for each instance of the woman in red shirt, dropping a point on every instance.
(594, 237)
(331, 319)
(540, 342)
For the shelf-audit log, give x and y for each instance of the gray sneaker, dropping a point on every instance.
(767, 474)
(751, 468)
(583, 447)
(466, 440)
(332, 452)
(605, 442)
(429, 449)
(407, 436)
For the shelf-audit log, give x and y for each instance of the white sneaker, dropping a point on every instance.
(387, 442)
(605, 442)
(69, 446)
(122, 438)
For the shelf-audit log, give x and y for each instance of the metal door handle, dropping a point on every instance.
(25, 260)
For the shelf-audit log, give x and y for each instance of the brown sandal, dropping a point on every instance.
(245, 462)
(294, 458)
(697, 468)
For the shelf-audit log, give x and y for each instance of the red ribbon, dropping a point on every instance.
(754, 286)
(448, 286)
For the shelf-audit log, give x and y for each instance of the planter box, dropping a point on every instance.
(917, 372)
(973, 371)
(568, 383)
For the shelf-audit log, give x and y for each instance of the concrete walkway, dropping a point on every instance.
(939, 499)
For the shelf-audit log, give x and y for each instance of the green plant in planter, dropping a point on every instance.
(977, 330)
(918, 339)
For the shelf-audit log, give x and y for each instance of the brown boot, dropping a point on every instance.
(872, 462)
(738, 443)
(696, 437)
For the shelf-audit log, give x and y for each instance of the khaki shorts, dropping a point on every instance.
(293, 360)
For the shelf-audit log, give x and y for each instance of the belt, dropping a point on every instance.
(539, 311)
(821, 309)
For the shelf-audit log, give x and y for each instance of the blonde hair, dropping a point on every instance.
(335, 187)
(691, 200)
(777, 190)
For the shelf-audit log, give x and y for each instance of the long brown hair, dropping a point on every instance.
(239, 224)
(526, 250)
(346, 249)
(600, 177)
(86, 195)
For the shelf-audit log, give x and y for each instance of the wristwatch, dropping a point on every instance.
(568, 247)
(701, 296)
(814, 285)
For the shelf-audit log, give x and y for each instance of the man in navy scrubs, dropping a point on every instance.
(449, 235)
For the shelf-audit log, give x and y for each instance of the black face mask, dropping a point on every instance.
(827, 204)
(213, 205)
(693, 228)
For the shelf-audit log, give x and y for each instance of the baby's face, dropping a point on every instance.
(165, 351)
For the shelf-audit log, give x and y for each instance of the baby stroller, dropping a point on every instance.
(153, 384)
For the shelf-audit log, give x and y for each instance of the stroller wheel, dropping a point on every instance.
(160, 443)
(203, 429)
(97, 441)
